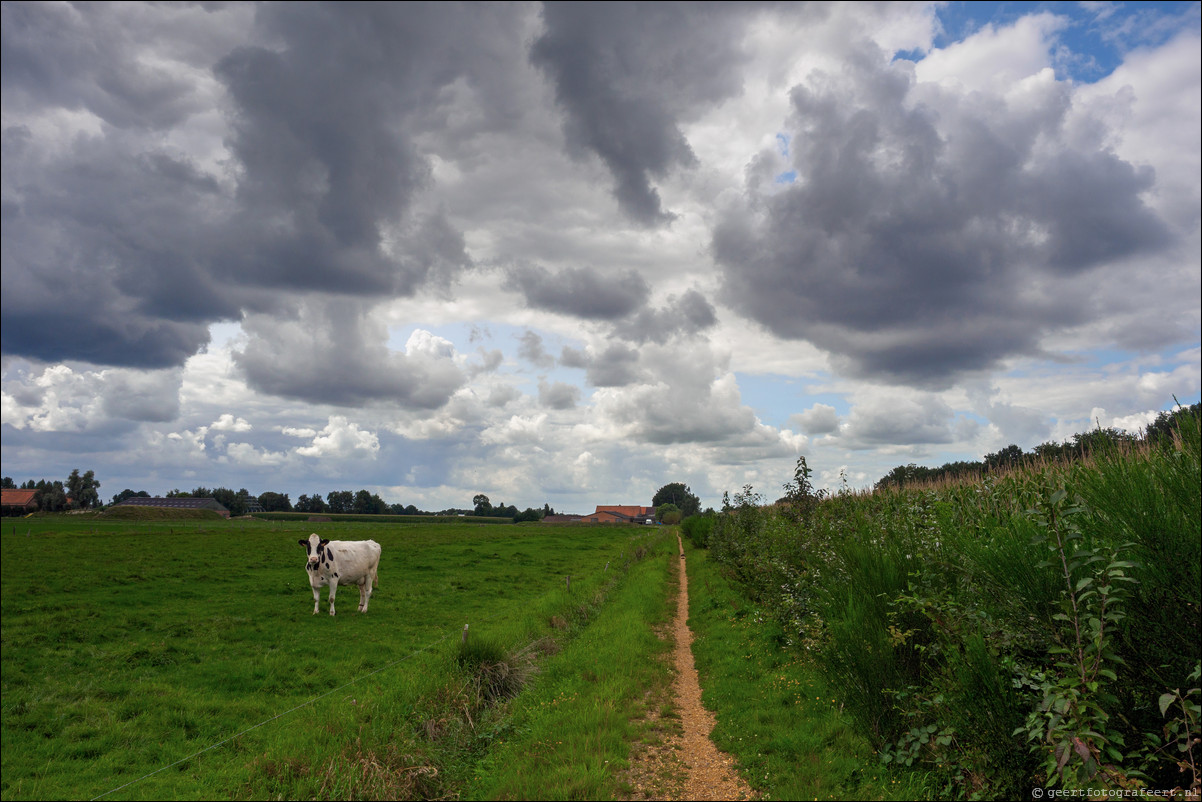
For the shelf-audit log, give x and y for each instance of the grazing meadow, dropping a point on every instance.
(179, 658)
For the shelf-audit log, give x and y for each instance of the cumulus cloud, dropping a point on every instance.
(927, 231)
(616, 366)
(818, 419)
(247, 455)
(334, 352)
(341, 439)
(899, 420)
(229, 423)
(579, 291)
(686, 315)
(58, 398)
(558, 395)
(502, 394)
(533, 351)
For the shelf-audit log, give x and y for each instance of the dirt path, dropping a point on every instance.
(686, 764)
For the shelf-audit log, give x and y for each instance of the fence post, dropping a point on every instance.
(569, 578)
(464, 640)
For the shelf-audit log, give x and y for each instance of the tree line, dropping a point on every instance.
(79, 492)
(1162, 429)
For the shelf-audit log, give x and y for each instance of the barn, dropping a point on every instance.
(178, 504)
(17, 502)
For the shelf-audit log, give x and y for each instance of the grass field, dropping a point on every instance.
(133, 646)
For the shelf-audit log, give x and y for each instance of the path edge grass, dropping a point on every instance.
(775, 715)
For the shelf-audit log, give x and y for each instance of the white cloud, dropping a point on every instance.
(341, 439)
(228, 423)
(247, 455)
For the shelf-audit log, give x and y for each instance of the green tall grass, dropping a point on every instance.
(776, 713)
(996, 635)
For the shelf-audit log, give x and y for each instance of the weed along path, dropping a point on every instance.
(708, 773)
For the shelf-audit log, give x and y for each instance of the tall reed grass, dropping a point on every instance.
(1003, 633)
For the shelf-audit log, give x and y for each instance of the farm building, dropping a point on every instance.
(17, 502)
(625, 514)
(178, 504)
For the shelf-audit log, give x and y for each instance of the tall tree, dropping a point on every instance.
(679, 494)
(275, 502)
(340, 501)
(82, 489)
(50, 496)
(127, 493)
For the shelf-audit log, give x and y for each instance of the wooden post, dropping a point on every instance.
(607, 565)
(464, 634)
(569, 578)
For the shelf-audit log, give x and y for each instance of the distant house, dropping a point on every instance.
(178, 504)
(253, 505)
(17, 502)
(621, 514)
(607, 514)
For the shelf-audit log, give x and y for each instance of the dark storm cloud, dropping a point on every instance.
(330, 352)
(102, 255)
(118, 249)
(921, 240)
(84, 56)
(626, 73)
(320, 132)
(579, 291)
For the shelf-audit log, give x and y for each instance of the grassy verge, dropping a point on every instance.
(568, 736)
(775, 714)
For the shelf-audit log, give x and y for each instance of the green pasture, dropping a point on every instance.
(132, 646)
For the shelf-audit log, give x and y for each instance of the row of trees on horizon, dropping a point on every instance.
(1080, 445)
(672, 502)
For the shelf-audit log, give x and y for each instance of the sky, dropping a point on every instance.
(568, 253)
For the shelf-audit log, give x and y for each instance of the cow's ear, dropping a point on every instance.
(324, 541)
(303, 542)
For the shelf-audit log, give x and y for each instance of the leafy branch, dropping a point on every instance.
(1071, 725)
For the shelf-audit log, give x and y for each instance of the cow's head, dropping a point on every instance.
(316, 547)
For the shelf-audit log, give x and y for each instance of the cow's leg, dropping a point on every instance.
(316, 597)
(333, 590)
(364, 593)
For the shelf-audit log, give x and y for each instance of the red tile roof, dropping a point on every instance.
(16, 498)
(627, 510)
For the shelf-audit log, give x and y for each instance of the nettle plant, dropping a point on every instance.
(1071, 727)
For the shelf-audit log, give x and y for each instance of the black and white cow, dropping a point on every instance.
(341, 562)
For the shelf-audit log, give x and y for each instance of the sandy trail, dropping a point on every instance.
(711, 774)
(687, 765)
